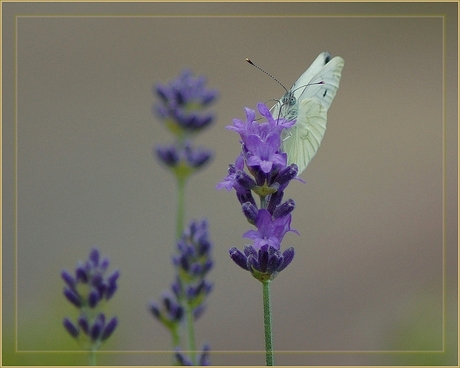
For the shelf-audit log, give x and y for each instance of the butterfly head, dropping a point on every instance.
(289, 99)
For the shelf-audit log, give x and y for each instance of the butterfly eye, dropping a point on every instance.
(288, 99)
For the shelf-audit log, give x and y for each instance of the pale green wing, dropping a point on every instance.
(301, 141)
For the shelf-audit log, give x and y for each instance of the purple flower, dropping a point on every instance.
(86, 290)
(170, 313)
(267, 177)
(265, 263)
(269, 231)
(192, 263)
(183, 159)
(202, 357)
(180, 103)
(264, 153)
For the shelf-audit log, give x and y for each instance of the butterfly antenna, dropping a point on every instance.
(271, 76)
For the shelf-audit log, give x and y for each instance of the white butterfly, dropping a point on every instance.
(308, 102)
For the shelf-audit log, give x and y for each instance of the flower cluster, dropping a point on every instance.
(193, 262)
(190, 289)
(268, 177)
(202, 359)
(181, 106)
(87, 290)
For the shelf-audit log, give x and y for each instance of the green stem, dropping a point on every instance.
(175, 342)
(92, 357)
(268, 323)
(180, 220)
(191, 332)
(263, 203)
(175, 336)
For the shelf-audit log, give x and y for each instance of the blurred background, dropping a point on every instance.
(374, 279)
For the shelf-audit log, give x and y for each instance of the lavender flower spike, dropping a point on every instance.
(267, 177)
(86, 290)
(180, 102)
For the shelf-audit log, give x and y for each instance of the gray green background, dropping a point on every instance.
(374, 276)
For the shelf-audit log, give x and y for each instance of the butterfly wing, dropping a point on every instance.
(312, 72)
(303, 86)
(313, 93)
(322, 86)
(304, 138)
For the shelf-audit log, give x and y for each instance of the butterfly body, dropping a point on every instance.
(307, 102)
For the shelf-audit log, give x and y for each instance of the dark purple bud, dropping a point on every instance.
(112, 279)
(174, 310)
(239, 258)
(207, 266)
(162, 91)
(94, 257)
(249, 251)
(81, 273)
(245, 195)
(93, 298)
(168, 155)
(97, 279)
(274, 261)
(184, 263)
(286, 175)
(180, 98)
(176, 313)
(198, 311)
(110, 291)
(112, 284)
(197, 157)
(153, 307)
(96, 330)
(275, 200)
(83, 323)
(102, 288)
(204, 246)
(195, 269)
(245, 180)
(253, 263)
(109, 328)
(176, 288)
(262, 259)
(204, 356)
(70, 281)
(250, 211)
(284, 209)
(73, 297)
(288, 256)
(191, 292)
(71, 328)
(104, 264)
(182, 359)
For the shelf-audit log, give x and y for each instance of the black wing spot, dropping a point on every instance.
(325, 92)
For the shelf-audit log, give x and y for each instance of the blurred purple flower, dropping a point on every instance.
(182, 101)
(86, 290)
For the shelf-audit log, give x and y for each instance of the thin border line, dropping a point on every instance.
(442, 16)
